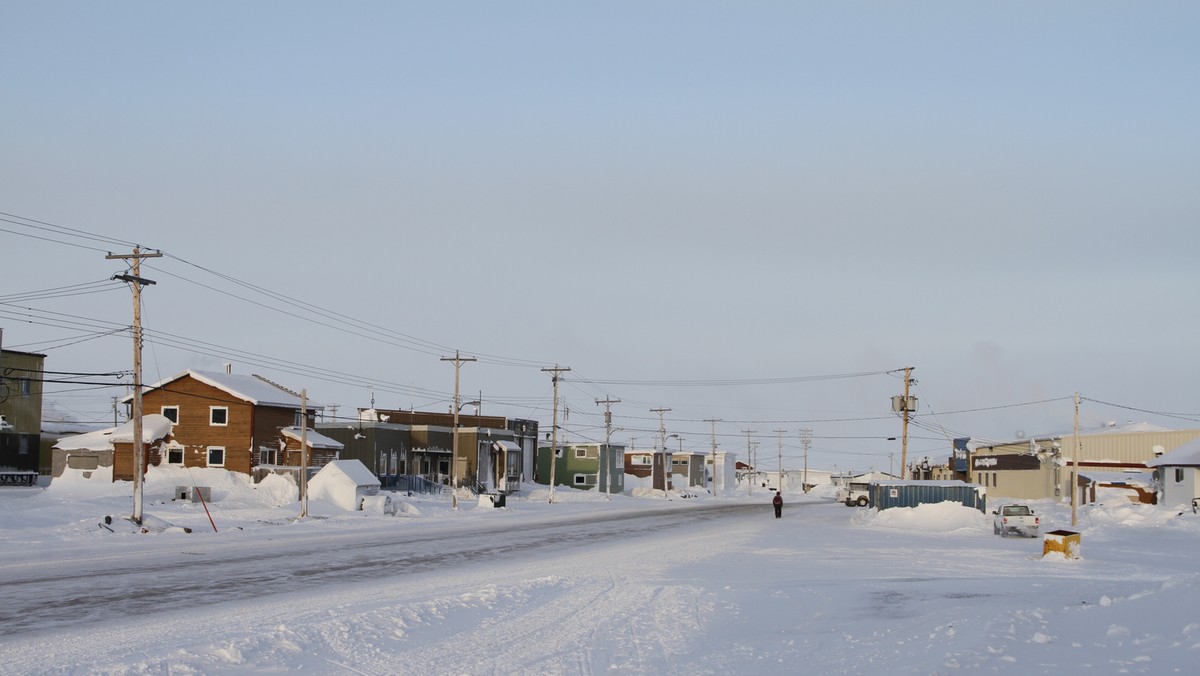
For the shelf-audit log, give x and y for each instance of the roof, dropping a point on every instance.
(154, 427)
(353, 470)
(252, 389)
(1107, 428)
(1186, 455)
(313, 438)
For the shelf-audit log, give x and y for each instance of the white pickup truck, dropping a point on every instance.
(1015, 519)
(854, 494)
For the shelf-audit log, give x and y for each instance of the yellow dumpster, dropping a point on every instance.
(1065, 542)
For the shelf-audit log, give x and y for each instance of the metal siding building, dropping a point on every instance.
(1042, 467)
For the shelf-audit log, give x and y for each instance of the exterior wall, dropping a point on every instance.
(21, 405)
(193, 430)
(1011, 470)
(584, 472)
(1180, 485)
(21, 396)
(688, 470)
(248, 427)
(654, 469)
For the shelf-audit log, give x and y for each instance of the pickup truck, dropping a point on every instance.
(854, 494)
(1014, 519)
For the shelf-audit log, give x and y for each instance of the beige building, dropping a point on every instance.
(1043, 466)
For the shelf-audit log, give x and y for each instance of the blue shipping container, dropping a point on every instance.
(887, 494)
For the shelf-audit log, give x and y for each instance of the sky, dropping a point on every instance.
(716, 194)
(588, 584)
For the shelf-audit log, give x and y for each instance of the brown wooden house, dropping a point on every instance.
(223, 419)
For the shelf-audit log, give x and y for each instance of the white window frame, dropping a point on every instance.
(171, 408)
(214, 409)
(175, 448)
(583, 479)
(209, 453)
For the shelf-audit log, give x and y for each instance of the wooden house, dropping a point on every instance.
(224, 419)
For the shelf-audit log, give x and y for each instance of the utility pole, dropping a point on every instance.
(605, 458)
(905, 405)
(1075, 463)
(779, 476)
(332, 412)
(750, 463)
(136, 282)
(458, 362)
(714, 422)
(806, 438)
(303, 453)
(114, 399)
(662, 433)
(555, 377)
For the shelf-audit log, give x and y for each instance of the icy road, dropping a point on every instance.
(693, 586)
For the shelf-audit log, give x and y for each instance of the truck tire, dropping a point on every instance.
(862, 501)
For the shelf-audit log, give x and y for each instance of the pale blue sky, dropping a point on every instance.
(1003, 195)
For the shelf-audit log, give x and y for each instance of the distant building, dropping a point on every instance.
(21, 380)
(585, 466)
(495, 453)
(1042, 467)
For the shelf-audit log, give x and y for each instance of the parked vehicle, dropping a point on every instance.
(854, 494)
(1015, 519)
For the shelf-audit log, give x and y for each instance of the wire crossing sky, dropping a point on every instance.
(738, 212)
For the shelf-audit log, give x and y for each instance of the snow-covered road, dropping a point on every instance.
(159, 574)
(631, 586)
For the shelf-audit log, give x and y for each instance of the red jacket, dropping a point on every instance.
(777, 500)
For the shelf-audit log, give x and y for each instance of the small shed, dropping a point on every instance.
(1178, 474)
(344, 483)
(888, 494)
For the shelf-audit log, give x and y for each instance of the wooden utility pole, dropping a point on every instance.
(554, 377)
(458, 362)
(906, 408)
(303, 453)
(779, 474)
(750, 464)
(605, 458)
(714, 422)
(136, 282)
(1075, 463)
(662, 433)
(806, 437)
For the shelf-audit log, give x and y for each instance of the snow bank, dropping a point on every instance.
(943, 517)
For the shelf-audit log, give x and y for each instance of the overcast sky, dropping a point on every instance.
(1004, 196)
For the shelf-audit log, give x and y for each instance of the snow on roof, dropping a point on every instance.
(154, 427)
(253, 389)
(1187, 455)
(505, 445)
(1137, 478)
(343, 482)
(315, 439)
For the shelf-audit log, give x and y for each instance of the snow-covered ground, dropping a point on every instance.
(589, 584)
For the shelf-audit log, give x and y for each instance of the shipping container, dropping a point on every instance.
(887, 494)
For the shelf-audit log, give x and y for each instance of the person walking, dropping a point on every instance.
(777, 501)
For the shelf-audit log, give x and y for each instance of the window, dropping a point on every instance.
(171, 413)
(26, 386)
(1178, 475)
(581, 479)
(216, 456)
(175, 455)
(218, 415)
(267, 455)
(639, 460)
(581, 453)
